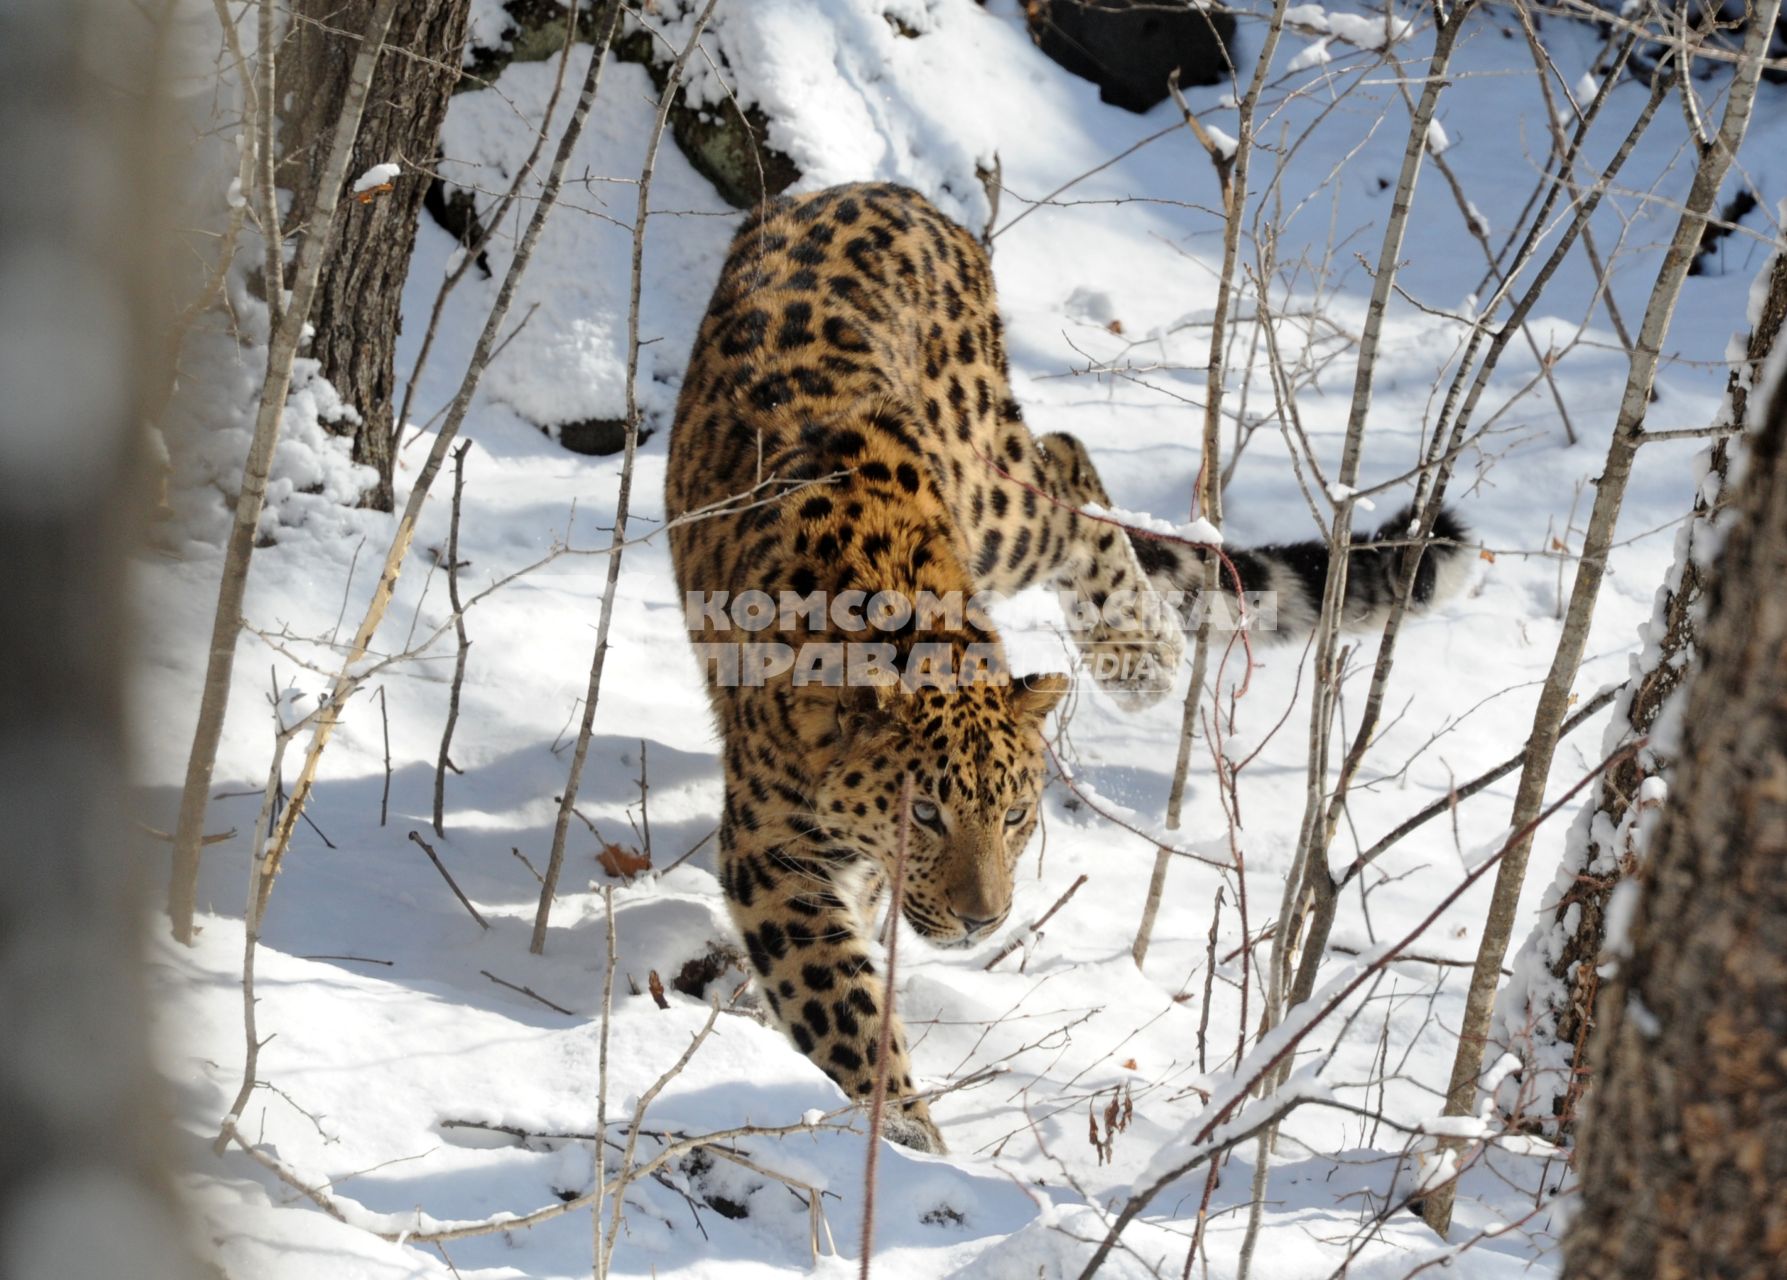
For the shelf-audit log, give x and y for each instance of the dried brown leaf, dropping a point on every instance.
(623, 864)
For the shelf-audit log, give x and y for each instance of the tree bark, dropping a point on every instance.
(1684, 1147)
(1611, 843)
(357, 313)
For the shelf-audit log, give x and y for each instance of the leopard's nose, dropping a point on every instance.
(977, 925)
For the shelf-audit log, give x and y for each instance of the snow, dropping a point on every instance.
(1313, 54)
(1338, 492)
(1092, 305)
(485, 25)
(1369, 32)
(1312, 16)
(380, 1051)
(379, 175)
(1200, 531)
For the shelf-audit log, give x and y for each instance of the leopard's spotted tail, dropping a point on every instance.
(1292, 575)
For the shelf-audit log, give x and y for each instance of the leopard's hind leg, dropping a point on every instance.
(1129, 635)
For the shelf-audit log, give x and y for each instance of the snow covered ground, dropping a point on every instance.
(373, 981)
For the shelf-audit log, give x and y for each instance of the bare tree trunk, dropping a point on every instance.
(347, 680)
(1607, 841)
(83, 348)
(1684, 1148)
(1554, 698)
(232, 587)
(358, 314)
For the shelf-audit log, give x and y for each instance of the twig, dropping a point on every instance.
(693, 850)
(284, 336)
(884, 1050)
(1318, 888)
(1548, 716)
(384, 715)
(167, 837)
(1035, 928)
(316, 1195)
(504, 1223)
(524, 862)
(555, 863)
(266, 157)
(1209, 981)
(493, 220)
(355, 959)
(1231, 178)
(599, 1258)
(1203, 1142)
(1450, 800)
(1067, 781)
(628, 1173)
(526, 991)
(347, 680)
(251, 922)
(1441, 962)
(645, 817)
(448, 877)
(443, 762)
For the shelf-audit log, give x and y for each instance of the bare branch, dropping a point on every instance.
(561, 827)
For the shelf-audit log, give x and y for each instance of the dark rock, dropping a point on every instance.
(455, 212)
(1129, 48)
(728, 147)
(536, 32)
(597, 437)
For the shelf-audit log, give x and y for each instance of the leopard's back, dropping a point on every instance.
(855, 297)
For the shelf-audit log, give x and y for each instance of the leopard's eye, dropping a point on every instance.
(1016, 814)
(924, 811)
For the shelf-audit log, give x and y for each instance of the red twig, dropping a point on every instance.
(878, 1101)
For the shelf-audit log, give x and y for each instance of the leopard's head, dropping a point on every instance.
(974, 754)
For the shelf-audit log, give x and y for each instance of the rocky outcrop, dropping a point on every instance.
(1129, 48)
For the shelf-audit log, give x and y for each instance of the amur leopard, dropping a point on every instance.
(846, 433)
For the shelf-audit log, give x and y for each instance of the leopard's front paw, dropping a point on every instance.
(910, 1125)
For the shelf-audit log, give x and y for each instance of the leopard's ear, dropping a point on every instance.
(827, 713)
(866, 706)
(1034, 697)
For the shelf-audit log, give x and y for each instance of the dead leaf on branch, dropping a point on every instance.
(623, 864)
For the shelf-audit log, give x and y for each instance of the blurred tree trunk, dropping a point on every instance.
(82, 350)
(1684, 1143)
(358, 306)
